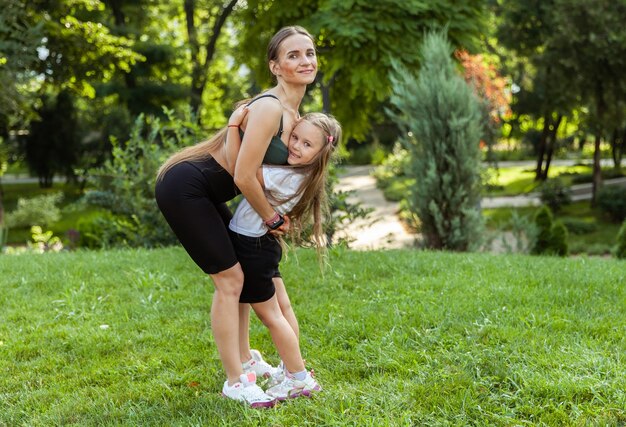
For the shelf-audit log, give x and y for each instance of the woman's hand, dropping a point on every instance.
(283, 229)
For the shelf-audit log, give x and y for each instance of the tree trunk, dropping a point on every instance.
(617, 147)
(120, 23)
(541, 149)
(200, 68)
(551, 144)
(597, 171)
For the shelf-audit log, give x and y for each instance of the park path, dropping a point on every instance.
(383, 230)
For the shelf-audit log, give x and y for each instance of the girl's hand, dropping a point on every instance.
(236, 118)
(283, 229)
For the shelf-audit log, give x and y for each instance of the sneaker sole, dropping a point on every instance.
(256, 405)
(302, 393)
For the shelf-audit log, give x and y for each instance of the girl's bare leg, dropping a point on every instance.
(283, 336)
(285, 305)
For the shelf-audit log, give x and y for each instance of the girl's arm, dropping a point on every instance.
(263, 118)
(233, 139)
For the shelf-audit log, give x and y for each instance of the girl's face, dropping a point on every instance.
(305, 141)
(297, 61)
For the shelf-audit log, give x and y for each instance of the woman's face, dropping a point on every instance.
(305, 142)
(297, 61)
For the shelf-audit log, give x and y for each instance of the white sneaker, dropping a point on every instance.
(248, 392)
(291, 387)
(262, 369)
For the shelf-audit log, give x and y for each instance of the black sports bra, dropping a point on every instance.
(277, 151)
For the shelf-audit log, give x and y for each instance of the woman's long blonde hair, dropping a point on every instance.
(312, 206)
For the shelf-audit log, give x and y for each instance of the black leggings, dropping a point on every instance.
(192, 198)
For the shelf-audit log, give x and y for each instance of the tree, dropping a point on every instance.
(526, 28)
(357, 42)
(590, 39)
(19, 39)
(51, 146)
(210, 20)
(156, 81)
(441, 115)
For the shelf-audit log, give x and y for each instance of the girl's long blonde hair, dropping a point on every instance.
(312, 206)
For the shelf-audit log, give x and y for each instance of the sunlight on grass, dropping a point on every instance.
(396, 338)
(511, 181)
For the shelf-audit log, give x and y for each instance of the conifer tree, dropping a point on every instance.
(441, 116)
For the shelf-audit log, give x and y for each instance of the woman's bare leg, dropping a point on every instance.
(283, 335)
(244, 332)
(225, 319)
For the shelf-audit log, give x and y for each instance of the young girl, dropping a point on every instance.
(297, 189)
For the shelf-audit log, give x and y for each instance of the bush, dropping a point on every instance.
(555, 194)
(124, 186)
(43, 210)
(558, 243)
(612, 200)
(104, 230)
(579, 226)
(620, 248)
(551, 236)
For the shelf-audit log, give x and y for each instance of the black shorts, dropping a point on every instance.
(192, 198)
(259, 258)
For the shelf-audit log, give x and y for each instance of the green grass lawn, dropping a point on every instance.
(396, 338)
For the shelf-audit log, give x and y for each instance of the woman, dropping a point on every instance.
(193, 186)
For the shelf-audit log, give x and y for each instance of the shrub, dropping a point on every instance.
(558, 242)
(104, 230)
(555, 194)
(441, 115)
(523, 234)
(551, 236)
(41, 209)
(543, 221)
(620, 248)
(393, 167)
(124, 186)
(579, 226)
(612, 200)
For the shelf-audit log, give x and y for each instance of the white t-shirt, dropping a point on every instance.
(282, 182)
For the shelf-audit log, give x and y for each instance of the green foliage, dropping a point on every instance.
(543, 221)
(579, 226)
(43, 209)
(554, 193)
(523, 232)
(105, 230)
(612, 200)
(551, 236)
(441, 115)
(44, 241)
(405, 338)
(558, 244)
(124, 185)
(358, 41)
(19, 38)
(52, 144)
(620, 247)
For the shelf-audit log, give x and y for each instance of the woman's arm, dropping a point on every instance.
(263, 119)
